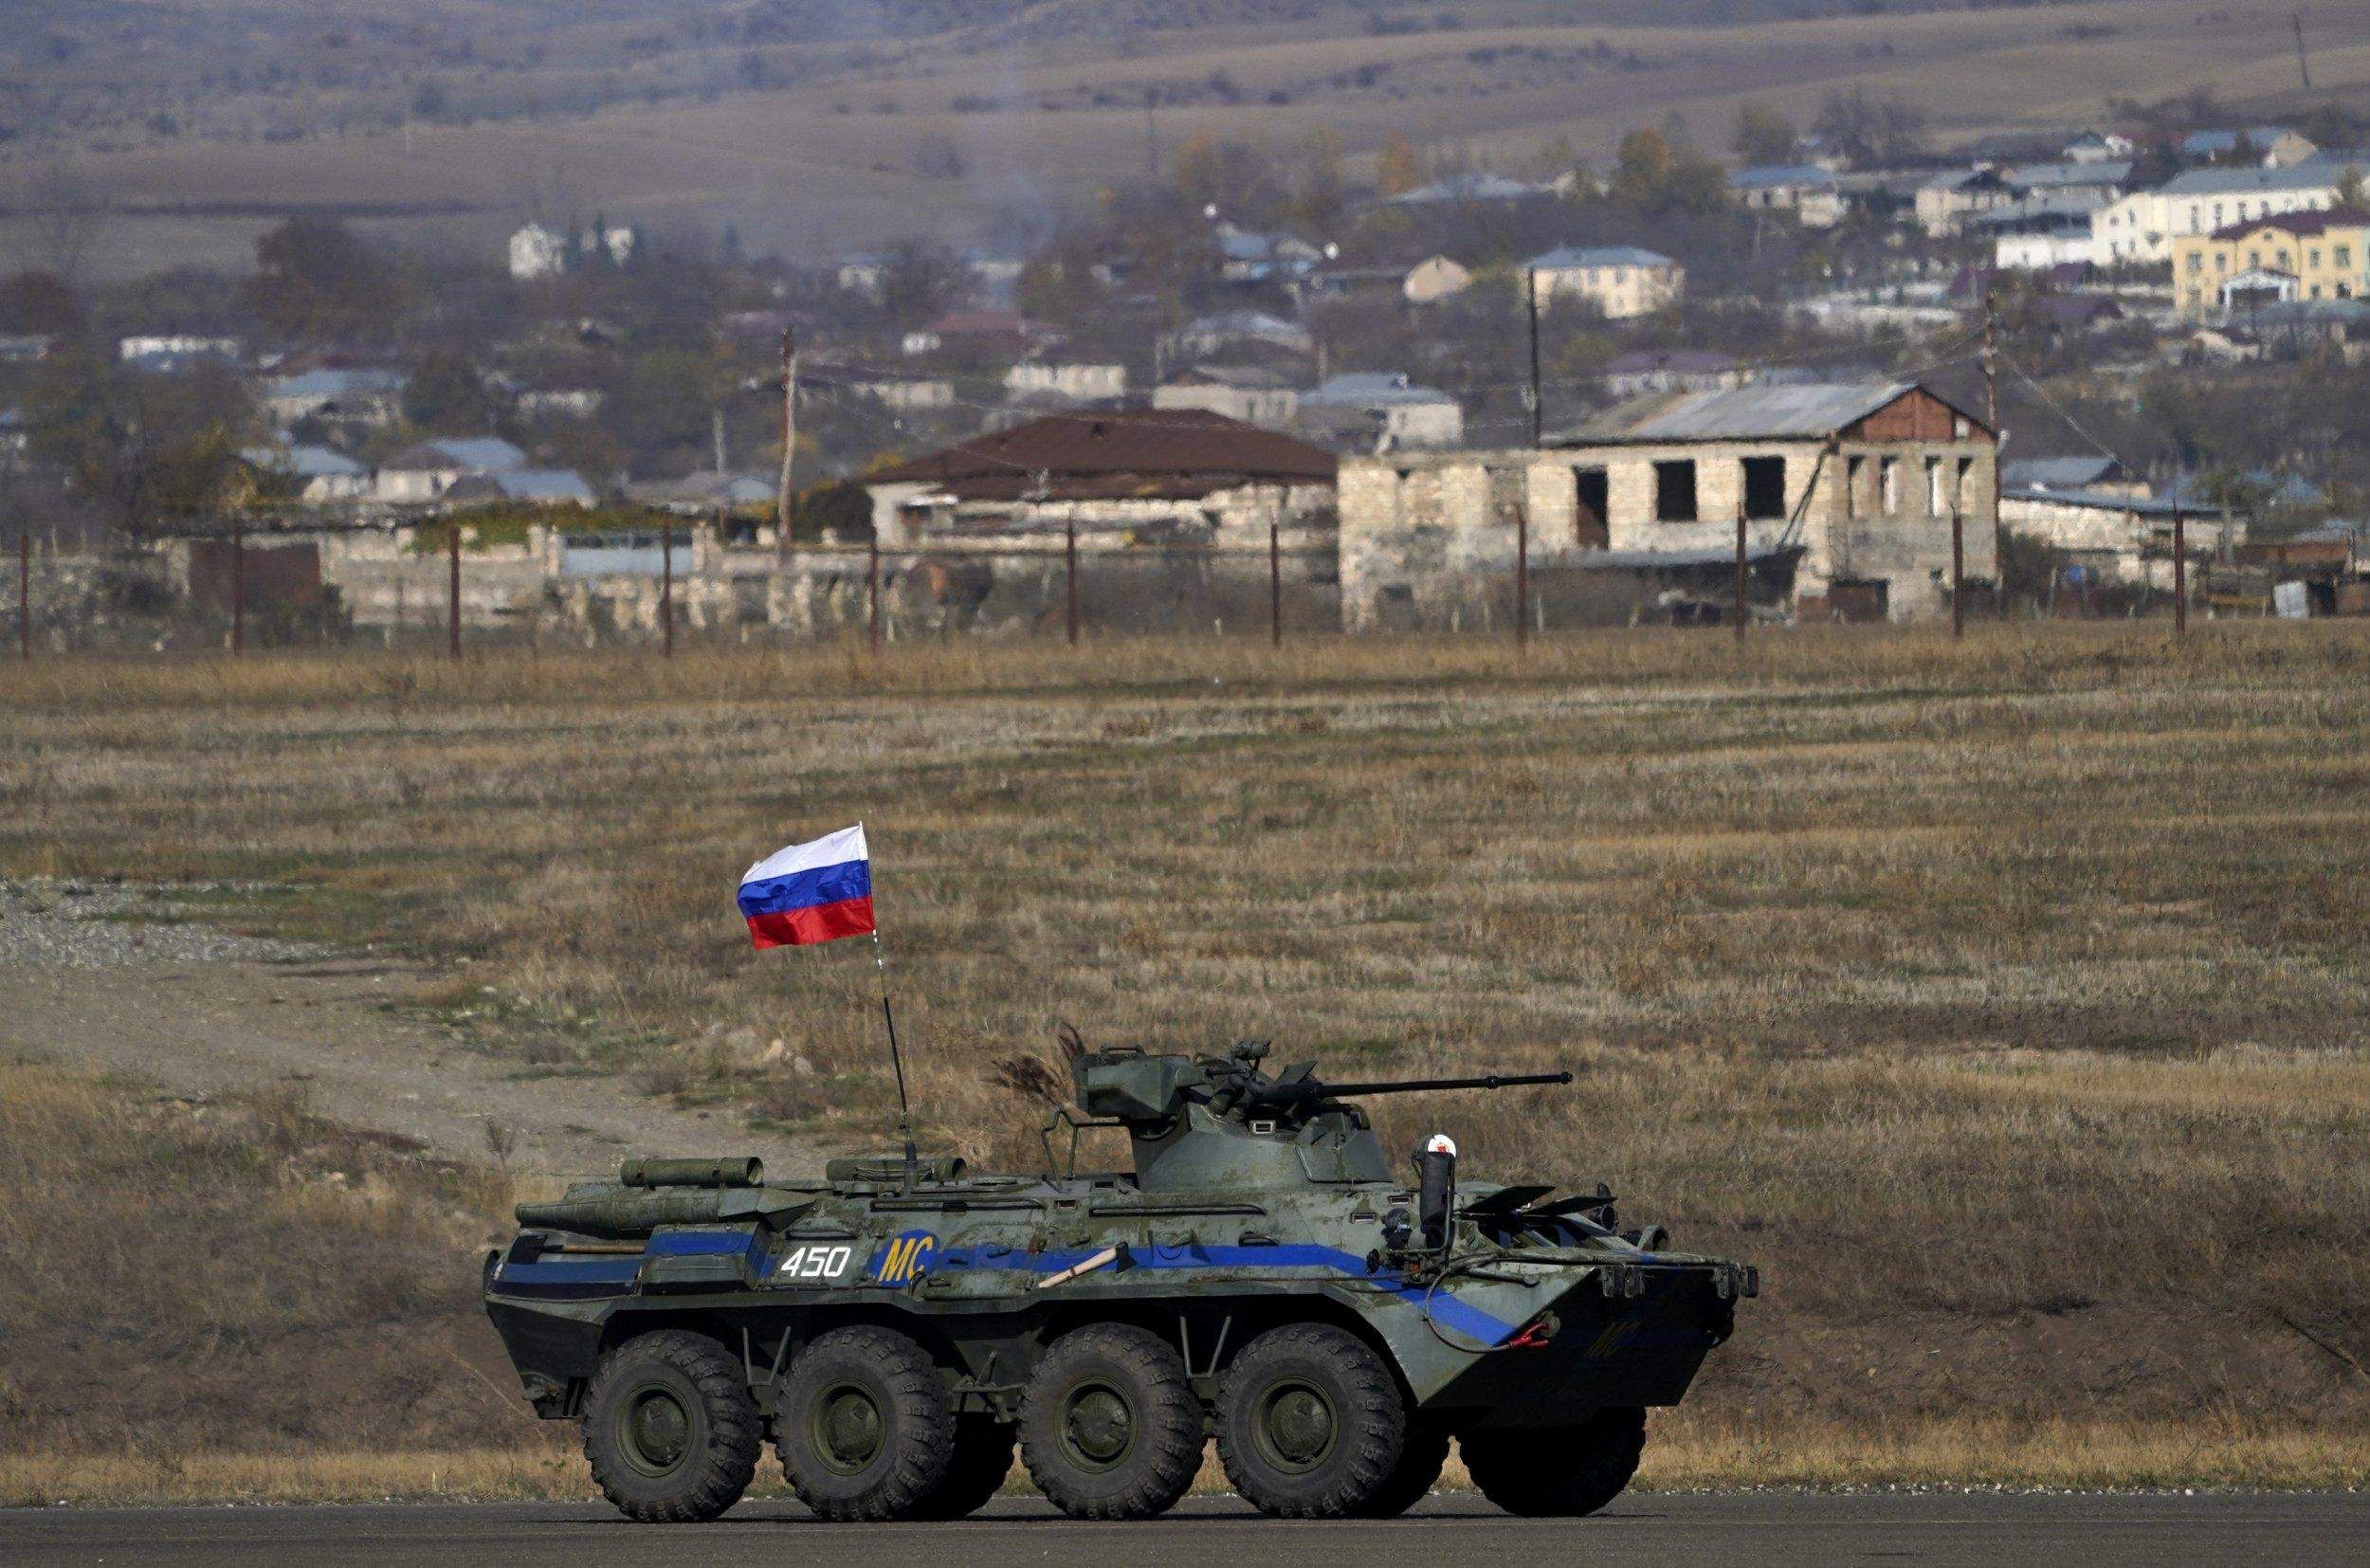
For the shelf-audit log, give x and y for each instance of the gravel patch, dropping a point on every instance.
(57, 924)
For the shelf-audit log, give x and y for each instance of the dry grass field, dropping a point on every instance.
(2005, 1002)
(830, 161)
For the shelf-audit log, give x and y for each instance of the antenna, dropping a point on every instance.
(2303, 64)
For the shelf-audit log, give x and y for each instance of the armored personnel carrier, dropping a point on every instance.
(1263, 1276)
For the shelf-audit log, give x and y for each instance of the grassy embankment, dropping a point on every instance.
(2004, 1002)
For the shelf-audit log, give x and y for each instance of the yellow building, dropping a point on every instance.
(2295, 256)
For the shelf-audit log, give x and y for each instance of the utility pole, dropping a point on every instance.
(1152, 137)
(1531, 299)
(2303, 62)
(1991, 416)
(23, 591)
(790, 441)
(715, 428)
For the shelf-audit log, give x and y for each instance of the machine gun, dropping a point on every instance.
(1141, 1091)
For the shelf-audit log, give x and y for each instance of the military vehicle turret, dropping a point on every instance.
(1263, 1276)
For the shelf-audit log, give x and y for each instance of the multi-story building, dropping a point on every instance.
(2142, 226)
(1619, 279)
(2316, 255)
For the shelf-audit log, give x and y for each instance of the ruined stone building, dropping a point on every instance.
(1847, 491)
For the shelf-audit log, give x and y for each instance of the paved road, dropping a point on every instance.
(1694, 1529)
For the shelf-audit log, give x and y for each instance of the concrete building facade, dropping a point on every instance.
(1845, 488)
(2323, 254)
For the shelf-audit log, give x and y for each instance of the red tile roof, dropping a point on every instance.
(1117, 452)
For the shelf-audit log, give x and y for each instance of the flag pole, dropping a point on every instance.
(896, 1060)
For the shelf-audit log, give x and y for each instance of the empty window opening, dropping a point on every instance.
(1766, 488)
(1934, 504)
(1589, 498)
(1674, 491)
(1854, 476)
(1888, 485)
(1964, 491)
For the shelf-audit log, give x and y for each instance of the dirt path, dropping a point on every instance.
(197, 1010)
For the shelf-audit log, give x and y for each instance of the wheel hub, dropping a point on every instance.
(1298, 1426)
(1098, 1427)
(848, 1430)
(658, 1430)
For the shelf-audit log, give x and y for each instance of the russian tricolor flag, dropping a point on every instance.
(811, 892)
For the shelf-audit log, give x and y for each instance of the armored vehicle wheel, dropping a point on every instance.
(1109, 1427)
(670, 1429)
(1557, 1474)
(1421, 1459)
(1310, 1423)
(983, 1457)
(865, 1427)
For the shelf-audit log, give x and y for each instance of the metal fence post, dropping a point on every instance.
(1522, 576)
(1275, 586)
(872, 594)
(1958, 573)
(238, 586)
(2181, 572)
(1069, 588)
(667, 587)
(1739, 586)
(452, 586)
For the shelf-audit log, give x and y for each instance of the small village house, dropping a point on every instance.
(1253, 394)
(2270, 146)
(1381, 412)
(1434, 279)
(1808, 193)
(1642, 370)
(1621, 280)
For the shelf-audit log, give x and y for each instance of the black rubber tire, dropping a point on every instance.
(1561, 1473)
(983, 1457)
(671, 1432)
(1355, 1439)
(880, 1384)
(1142, 1375)
(1421, 1459)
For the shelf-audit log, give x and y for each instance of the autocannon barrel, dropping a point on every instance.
(1310, 1090)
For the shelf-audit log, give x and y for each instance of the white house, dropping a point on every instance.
(1380, 411)
(426, 472)
(366, 395)
(1620, 280)
(318, 474)
(1434, 279)
(1252, 393)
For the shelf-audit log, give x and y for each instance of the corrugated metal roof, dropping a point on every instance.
(1206, 450)
(544, 484)
(1772, 175)
(1373, 388)
(1566, 257)
(1738, 413)
(2311, 175)
(2057, 473)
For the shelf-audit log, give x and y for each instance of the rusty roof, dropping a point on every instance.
(1118, 452)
